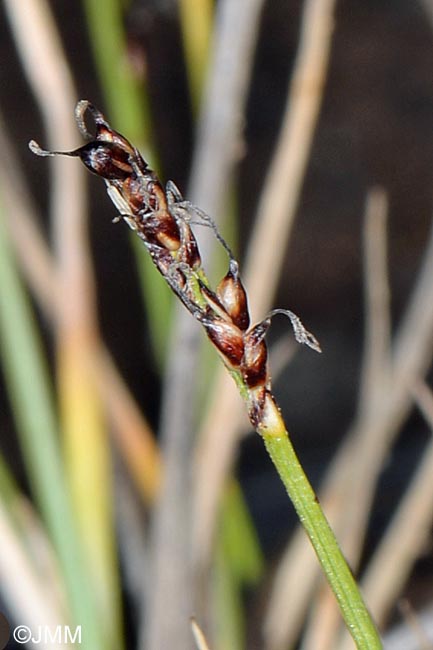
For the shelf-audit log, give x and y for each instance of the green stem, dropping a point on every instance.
(335, 567)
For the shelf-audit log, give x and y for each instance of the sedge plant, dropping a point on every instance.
(162, 219)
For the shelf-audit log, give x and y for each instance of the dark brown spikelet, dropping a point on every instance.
(233, 296)
(108, 154)
(160, 229)
(228, 340)
(106, 159)
(254, 365)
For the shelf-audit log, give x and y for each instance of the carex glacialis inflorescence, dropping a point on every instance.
(163, 220)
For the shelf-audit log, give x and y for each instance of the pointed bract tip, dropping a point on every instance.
(36, 149)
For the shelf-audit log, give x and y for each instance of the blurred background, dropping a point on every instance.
(133, 493)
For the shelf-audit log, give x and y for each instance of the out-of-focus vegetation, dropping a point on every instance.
(123, 506)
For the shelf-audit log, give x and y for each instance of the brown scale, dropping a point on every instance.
(233, 296)
(257, 405)
(227, 338)
(254, 364)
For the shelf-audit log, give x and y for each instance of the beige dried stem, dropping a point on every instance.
(80, 413)
(408, 534)
(298, 558)
(22, 224)
(411, 357)
(414, 623)
(375, 376)
(411, 634)
(219, 132)
(85, 444)
(133, 433)
(34, 597)
(199, 637)
(275, 216)
(47, 70)
(130, 429)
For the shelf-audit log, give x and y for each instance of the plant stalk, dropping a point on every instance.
(311, 516)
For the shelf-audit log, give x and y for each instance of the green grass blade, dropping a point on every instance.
(128, 107)
(125, 97)
(239, 537)
(196, 24)
(239, 563)
(230, 626)
(29, 390)
(8, 486)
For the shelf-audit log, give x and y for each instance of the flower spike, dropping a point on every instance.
(163, 219)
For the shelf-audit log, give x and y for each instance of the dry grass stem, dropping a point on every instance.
(376, 363)
(41, 600)
(215, 452)
(21, 220)
(132, 433)
(170, 541)
(414, 623)
(216, 153)
(276, 212)
(409, 531)
(370, 439)
(132, 541)
(220, 126)
(81, 415)
(375, 374)
(199, 637)
(48, 73)
(405, 637)
(279, 200)
(411, 358)
(296, 574)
